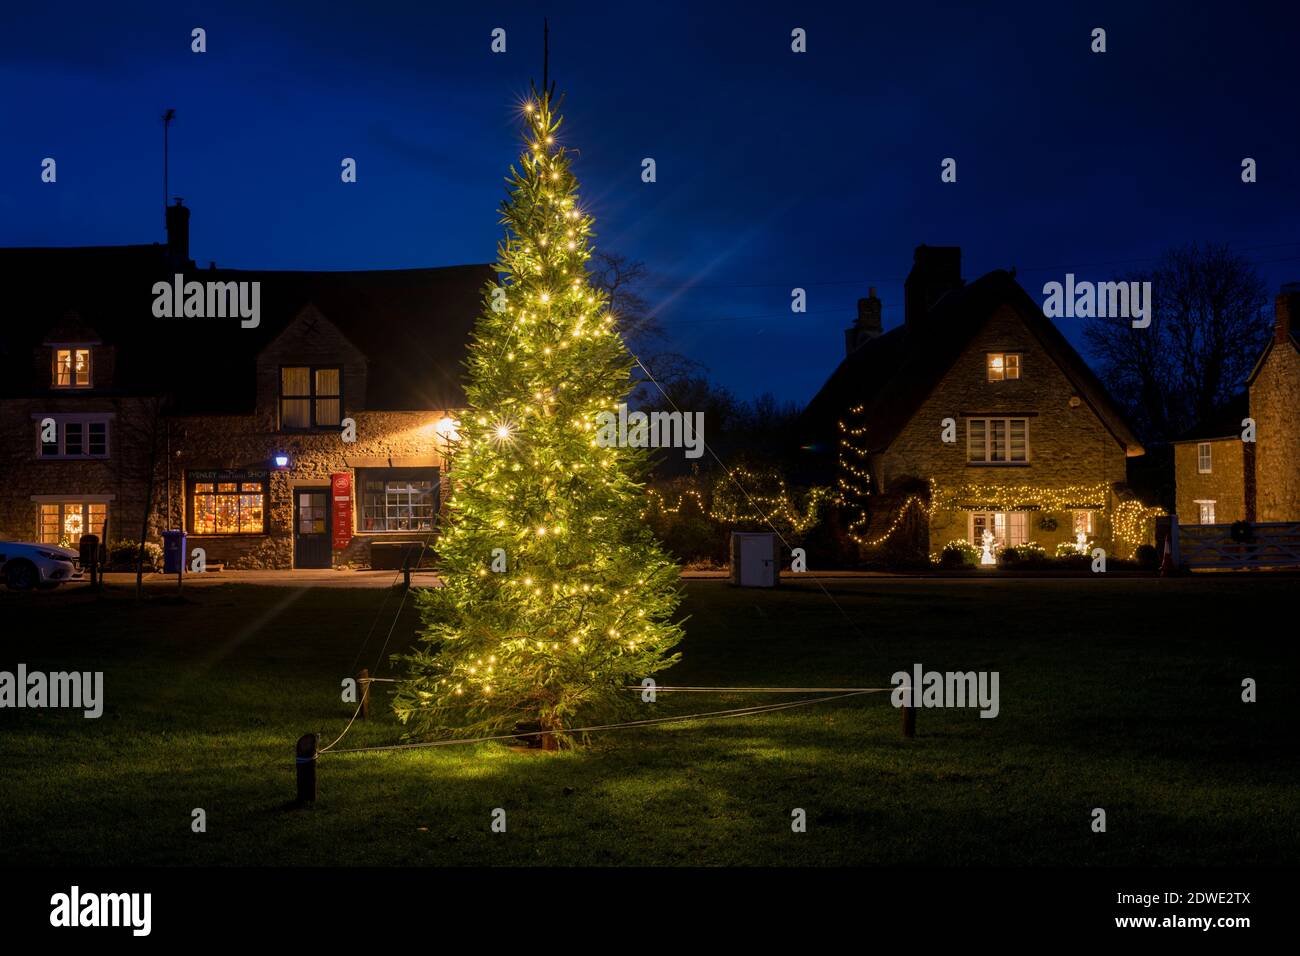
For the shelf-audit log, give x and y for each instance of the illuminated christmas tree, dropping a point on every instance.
(556, 597)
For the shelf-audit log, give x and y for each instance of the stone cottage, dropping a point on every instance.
(299, 441)
(979, 415)
(1220, 476)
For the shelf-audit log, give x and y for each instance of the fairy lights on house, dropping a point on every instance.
(1129, 518)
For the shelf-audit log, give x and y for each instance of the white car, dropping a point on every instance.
(26, 565)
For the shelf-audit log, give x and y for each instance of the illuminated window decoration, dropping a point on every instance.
(1131, 522)
(310, 397)
(1085, 521)
(227, 502)
(1009, 528)
(1003, 366)
(64, 522)
(72, 368)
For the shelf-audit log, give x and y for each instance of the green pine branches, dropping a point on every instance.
(556, 596)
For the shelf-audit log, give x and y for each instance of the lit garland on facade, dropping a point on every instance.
(1128, 517)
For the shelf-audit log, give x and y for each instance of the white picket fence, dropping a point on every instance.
(1272, 545)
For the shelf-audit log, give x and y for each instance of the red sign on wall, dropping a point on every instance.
(341, 496)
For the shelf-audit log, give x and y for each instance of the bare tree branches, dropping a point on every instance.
(1207, 329)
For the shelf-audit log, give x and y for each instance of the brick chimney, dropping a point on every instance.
(867, 325)
(935, 270)
(1284, 306)
(178, 233)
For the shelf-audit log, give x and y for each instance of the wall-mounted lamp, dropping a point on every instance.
(447, 429)
(281, 461)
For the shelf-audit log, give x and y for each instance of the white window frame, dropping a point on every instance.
(1204, 506)
(74, 348)
(61, 421)
(1011, 363)
(1010, 528)
(83, 502)
(1204, 458)
(987, 451)
(397, 504)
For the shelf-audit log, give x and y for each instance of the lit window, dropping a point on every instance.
(235, 506)
(72, 368)
(1003, 366)
(63, 523)
(393, 500)
(1009, 528)
(310, 397)
(1085, 521)
(997, 441)
(1206, 509)
(1203, 460)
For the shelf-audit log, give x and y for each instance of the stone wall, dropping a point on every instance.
(121, 479)
(1069, 444)
(1277, 453)
(1225, 485)
(384, 440)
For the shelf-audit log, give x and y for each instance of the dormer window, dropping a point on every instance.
(1003, 366)
(71, 368)
(310, 397)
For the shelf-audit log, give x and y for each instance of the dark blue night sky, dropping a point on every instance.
(775, 170)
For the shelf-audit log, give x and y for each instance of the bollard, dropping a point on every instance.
(306, 760)
(363, 684)
(909, 715)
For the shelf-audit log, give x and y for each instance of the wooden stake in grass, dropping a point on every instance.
(306, 760)
(363, 682)
(909, 715)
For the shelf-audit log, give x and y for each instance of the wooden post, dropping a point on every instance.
(909, 716)
(1173, 542)
(306, 760)
(363, 683)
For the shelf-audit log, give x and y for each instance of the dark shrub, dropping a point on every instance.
(122, 554)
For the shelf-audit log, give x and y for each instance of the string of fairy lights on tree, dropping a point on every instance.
(555, 594)
(853, 480)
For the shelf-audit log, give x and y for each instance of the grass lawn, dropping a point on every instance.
(1120, 694)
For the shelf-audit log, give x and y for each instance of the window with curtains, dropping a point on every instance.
(71, 368)
(229, 502)
(997, 441)
(64, 522)
(1003, 366)
(1009, 528)
(310, 397)
(1204, 462)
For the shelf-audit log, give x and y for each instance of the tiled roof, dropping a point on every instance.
(413, 325)
(892, 375)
